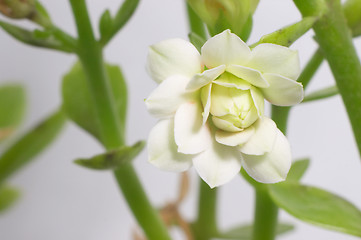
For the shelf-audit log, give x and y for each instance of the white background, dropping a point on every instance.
(63, 201)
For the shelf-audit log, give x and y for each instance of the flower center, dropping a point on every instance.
(232, 105)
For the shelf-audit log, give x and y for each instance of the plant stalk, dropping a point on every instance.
(206, 225)
(91, 56)
(266, 213)
(335, 40)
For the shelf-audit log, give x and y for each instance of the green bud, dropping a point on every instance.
(352, 10)
(18, 9)
(220, 15)
(25, 9)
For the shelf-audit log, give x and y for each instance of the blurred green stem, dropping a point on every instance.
(91, 56)
(206, 225)
(266, 212)
(335, 40)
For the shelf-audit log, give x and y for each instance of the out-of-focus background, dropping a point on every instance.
(61, 200)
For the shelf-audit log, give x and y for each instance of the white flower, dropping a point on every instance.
(211, 107)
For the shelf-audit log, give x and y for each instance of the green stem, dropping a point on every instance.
(264, 227)
(335, 40)
(91, 57)
(206, 225)
(266, 212)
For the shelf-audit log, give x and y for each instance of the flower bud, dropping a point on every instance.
(352, 10)
(17, 9)
(224, 14)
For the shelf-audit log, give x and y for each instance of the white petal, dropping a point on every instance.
(162, 150)
(250, 75)
(173, 57)
(229, 80)
(218, 164)
(271, 58)
(202, 79)
(234, 138)
(191, 135)
(225, 48)
(258, 100)
(168, 96)
(263, 139)
(271, 167)
(206, 101)
(225, 125)
(282, 91)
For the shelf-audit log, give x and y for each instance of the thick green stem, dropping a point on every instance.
(91, 57)
(335, 40)
(264, 227)
(206, 225)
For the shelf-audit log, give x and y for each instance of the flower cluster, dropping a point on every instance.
(211, 107)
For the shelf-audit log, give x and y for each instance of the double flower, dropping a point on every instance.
(211, 107)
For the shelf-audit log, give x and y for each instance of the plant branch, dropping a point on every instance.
(112, 136)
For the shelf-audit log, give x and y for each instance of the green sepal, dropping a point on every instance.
(8, 196)
(112, 159)
(298, 169)
(288, 35)
(77, 101)
(317, 206)
(247, 29)
(12, 108)
(28, 37)
(244, 232)
(123, 15)
(30, 145)
(106, 25)
(321, 94)
(196, 40)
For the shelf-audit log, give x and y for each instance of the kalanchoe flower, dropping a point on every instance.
(211, 106)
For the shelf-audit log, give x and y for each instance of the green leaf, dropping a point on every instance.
(244, 232)
(28, 37)
(30, 145)
(123, 15)
(8, 196)
(112, 159)
(298, 169)
(321, 94)
(289, 34)
(196, 40)
(12, 108)
(77, 101)
(317, 206)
